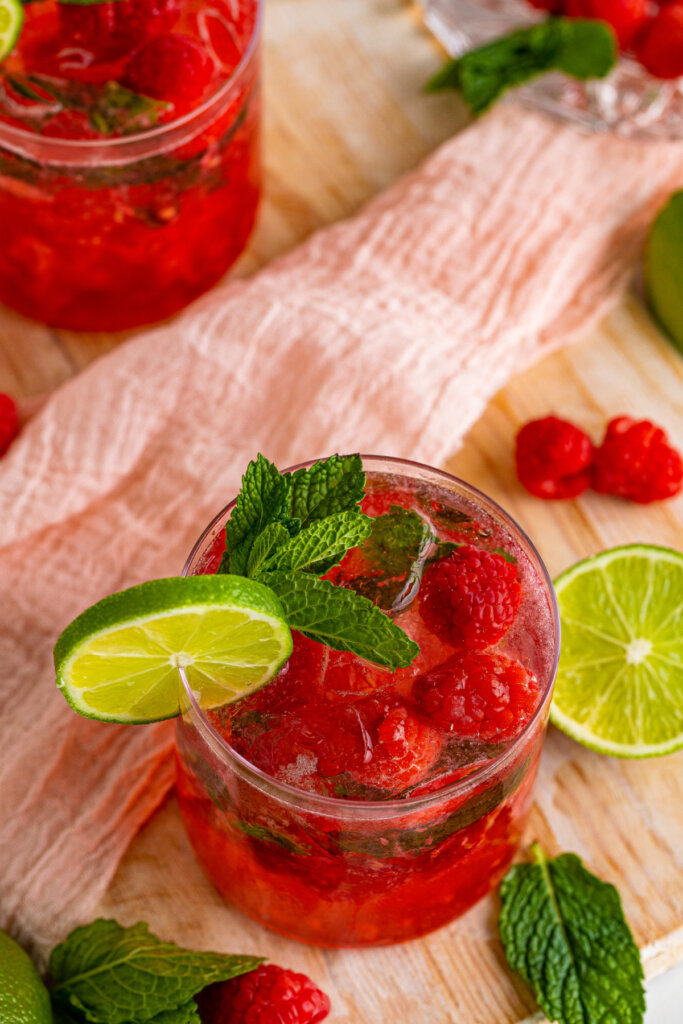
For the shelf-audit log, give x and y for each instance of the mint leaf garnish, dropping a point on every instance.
(340, 619)
(286, 529)
(332, 485)
(322, 544)
(114, 975)
(268, 541)
(580, 48)
(260, 502)
(564, 931)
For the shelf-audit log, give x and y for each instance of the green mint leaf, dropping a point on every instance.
(188, 1013)
(66, 1014)
(266, 544)
(341, 619)
(117, 975)
(581, 48)
(110, 107)
(588, 49)
(392, 553)
(261, 501)
(564, 931)
(332, 485)
(321, 544)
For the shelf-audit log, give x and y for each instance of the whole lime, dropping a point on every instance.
(664, 269)
(23, 997)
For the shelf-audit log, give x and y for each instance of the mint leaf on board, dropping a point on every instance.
(261, 501)
(340, 619)
(116, 975)
(188, 1013)
(564, 931)
(336, 484)
(580, 48)
(322, 544)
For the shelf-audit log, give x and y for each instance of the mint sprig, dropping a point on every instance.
(564, 931)
(341, 619)
(288, 529)
(107, 974)
(578, 47)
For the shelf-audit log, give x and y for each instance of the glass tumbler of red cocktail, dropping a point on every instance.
(129, 157)
(345, 805)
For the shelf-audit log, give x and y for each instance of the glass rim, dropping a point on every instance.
(338, 806)
(31, 141)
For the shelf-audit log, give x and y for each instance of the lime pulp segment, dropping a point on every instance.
(119, 661)
(11, 20)
(619, 687)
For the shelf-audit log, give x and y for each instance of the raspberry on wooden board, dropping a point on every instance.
(636, 462)
(553, 458)
(9, 422)
(267, 995)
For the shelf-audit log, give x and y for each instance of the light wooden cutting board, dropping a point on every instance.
(345, 116)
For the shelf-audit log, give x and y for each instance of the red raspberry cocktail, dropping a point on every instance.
(129, 156)
(343, 804)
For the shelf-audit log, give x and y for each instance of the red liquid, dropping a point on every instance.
(373, 866)
(114, 240)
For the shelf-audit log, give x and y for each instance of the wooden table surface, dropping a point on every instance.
(345, 116)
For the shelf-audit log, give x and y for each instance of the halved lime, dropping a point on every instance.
(119, 660)
(11, 20)
(619, 687)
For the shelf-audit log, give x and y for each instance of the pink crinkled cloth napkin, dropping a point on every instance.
(385, 333)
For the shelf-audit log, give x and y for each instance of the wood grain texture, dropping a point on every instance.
(345, 116)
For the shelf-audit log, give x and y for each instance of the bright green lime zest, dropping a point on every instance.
(119, 661)
(563, 929)
(664, 268)
(619, 686)
(23, 997)
(11, 20)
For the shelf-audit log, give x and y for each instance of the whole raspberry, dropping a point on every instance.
(401, 748)
(482, 695)
(660, 47)
(174, 68)
(636, 462)
(553, 458)
(9, 422)
(137, 20)
(470, 598)
(267, 995)
(627, 17)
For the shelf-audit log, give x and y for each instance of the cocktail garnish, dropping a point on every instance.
(564, 931)
(289, 529)
(580, 48)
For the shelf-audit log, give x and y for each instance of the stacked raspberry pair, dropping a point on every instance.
(650, 29)
(556, 459)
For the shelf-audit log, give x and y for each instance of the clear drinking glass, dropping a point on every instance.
(106, 232)
(629, 101)
(354, 872)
